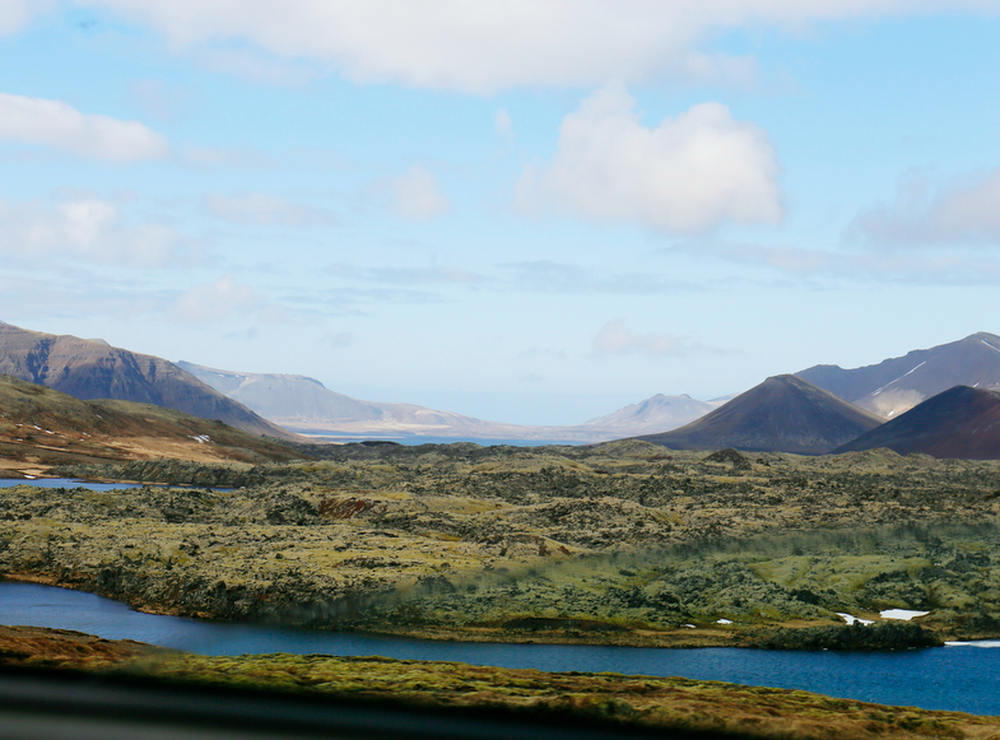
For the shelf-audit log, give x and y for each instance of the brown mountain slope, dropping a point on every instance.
(90, 369)
(782, 414)
(961, 423)
(40, 427)
(900, 383)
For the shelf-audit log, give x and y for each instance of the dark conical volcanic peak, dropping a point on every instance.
(962, 422)
(91, 368)
(782, 414)
(895, 385)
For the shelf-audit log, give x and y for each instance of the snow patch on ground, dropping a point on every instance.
(723, 621)
(904, 614)
(973, 643)
(851, 619)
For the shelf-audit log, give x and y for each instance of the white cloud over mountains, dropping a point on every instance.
(226, 297)
(84, 228)
(261, 209)
(963, 212)
(615, 339)
(686, 174)
(57, 124)
(484, 47)
(417, 195)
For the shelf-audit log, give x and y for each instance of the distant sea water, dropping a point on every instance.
(960, 678)
(414, 441)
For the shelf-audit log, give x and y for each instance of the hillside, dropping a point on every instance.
(40, 427)
(91, 369)
(892, 386)
(962, 423)
(306, 406)
(782, 414)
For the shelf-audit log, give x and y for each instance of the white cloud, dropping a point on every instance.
(614, 339)
(964, 212)
(260, 209)
(61, 126)
(218, 301)
(488, 46)
(158, 98)
(84, 228)
(15, 14)
(205, 158)
(502, 122)
(687, 174)
(417, 195)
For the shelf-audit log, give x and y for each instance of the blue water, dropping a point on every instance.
(962, 678)
(64, 483)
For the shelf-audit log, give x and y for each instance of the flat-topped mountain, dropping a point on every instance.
(900, 383)
(91, 368)
(40, 426)
(782, 414)
(305, 405)
(962, 423)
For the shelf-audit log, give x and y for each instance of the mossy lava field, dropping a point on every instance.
(622, 543)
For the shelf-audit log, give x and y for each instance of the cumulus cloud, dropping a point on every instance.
(963, 212)
(615, 339)
(502, 122)
(685, 175)
(485, 47)
(205, 158)
(418, 196)
(84, 228)
(218, 301)
(59, 125)
(260, 209)
(15, 14)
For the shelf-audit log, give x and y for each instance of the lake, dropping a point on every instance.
(65, 483)
(962, 678)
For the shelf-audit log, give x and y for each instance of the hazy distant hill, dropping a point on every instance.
(656, 414)
(89, 369)
(305, 405)
(291, 398)
(782, 414)
(900, 383)
(962, 423)
(40, 426)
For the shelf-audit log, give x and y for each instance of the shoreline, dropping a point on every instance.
(753, 636)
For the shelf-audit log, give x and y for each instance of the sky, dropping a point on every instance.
(530, 211)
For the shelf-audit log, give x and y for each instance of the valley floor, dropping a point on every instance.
(623, 543)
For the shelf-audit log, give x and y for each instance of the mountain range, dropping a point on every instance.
(92, 369)
(306, 406)
(811, 412)
(782, 414)
(895, 385)
(961, 422)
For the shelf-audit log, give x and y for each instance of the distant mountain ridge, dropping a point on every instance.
(961, 422)
(782, 414)
(895, 385)
(305, 405)
(92, 369)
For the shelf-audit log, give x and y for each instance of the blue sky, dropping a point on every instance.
(532, 212)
